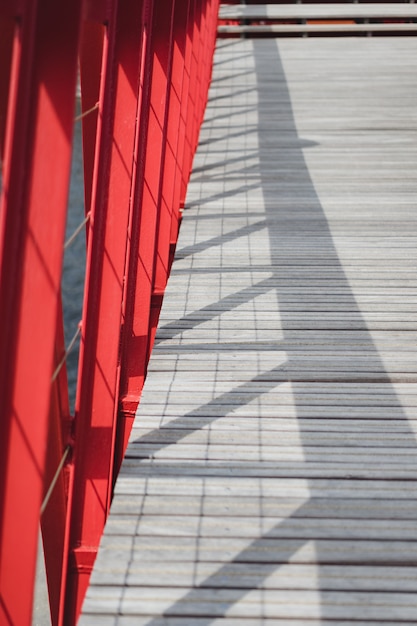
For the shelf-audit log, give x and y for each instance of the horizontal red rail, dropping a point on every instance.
(145, 68)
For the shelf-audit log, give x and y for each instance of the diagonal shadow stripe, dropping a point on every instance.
(211, 311)
(203, 169)
(239, 189)
(183, 253)
(213, 410)
(265, 556)
(375, 544)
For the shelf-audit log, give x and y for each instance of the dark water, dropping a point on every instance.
(74, 261)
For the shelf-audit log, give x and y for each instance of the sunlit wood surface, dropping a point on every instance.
(271, 476)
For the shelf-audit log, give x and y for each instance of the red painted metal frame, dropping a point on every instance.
(145, 71)
(37, 157)
(169, 205)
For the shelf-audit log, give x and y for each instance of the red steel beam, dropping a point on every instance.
(108, 242)
(154, 150)
(160, 179)
(146, 206)
(37, 159)
(181, 177)
(128, 405)
(202, 61)
(189, 144)
(209, 33)
(91, 56)
(145, 69)
(169, 201)
(203, 40)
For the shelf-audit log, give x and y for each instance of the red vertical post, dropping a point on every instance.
(200, 85)
(200, 64)
(91, 56)
(37, 158)
(193, 97)
(170, 115)
(202, 59)
(168, 199)
(207, 56)
(146, 207)
(181, 178)
(127, 407)
(148, 68)
(108, 242)
(212, 8)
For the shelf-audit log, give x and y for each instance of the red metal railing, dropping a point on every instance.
(145, 68)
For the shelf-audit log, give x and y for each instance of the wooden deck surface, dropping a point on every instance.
(271, 476)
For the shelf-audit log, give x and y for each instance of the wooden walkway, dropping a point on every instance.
(271, 477)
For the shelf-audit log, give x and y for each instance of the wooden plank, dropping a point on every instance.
(317, 28)
(275, 527)
(270, 469)
(278, 442)
(264, 550)
(160, 428)
(210, 413)
(137, 620)
(298, 576)
(242, 507)
(272, 603)
(200, 487)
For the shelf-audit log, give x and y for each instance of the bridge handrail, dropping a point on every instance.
(272, 19)
(145, 68)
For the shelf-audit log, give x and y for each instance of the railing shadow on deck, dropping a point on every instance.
(278, 548)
